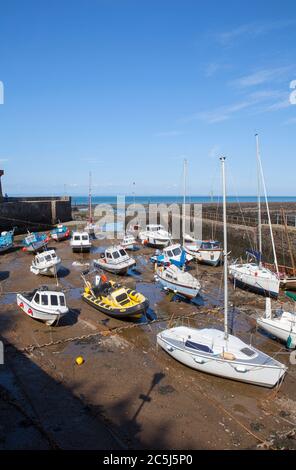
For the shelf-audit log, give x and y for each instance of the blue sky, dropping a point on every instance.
(128, 88)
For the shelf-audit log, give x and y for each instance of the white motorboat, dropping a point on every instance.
(43, 304)
(115, 260)
(217, 352)
(155, 235)
(256, 278)
(128, 242)
(80, 242)
(178, 281)
(204, 251)
(280, 324)
(172, 254)
(46, 263)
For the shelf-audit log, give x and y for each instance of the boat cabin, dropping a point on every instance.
(115, 254)
(49, 299)
(45, 257)
(173, 251)
(80, 237)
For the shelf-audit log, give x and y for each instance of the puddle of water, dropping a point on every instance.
(7, 299)
(74, 293)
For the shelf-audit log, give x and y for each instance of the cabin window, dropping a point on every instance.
(84, 237)
(62, 301)
(54, 300)
(121, 297)
(41, 259)
(44, 300)
(122, 252)
(54, 255)
(169, 276)
(108, 255)
(37, 298)
(48, 258)
(177, 251)
(77, 237)
(198, 346)
(248, 352)
(115, 254)
(170, 253)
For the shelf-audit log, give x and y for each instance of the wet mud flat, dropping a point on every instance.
(128, 393)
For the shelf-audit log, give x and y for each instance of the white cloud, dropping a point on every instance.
(262, 76)
(252, 30)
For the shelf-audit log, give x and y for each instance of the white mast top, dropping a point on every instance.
(268, 213)
(184, 198)
(259, 201)
(222, 159)
(89, 200)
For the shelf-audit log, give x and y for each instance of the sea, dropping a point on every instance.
(83, 200)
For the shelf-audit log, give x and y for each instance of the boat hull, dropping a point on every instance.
(120, 268)
(132, 312)
(50, 318)
(210, 257)
(5, 248)
(256, 375)
(256, 289)
(282, 332)
(81, 249)
(188, 292)
(48, 271)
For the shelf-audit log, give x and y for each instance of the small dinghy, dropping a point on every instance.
(6, 241)
(34, 242)
(128, 242)
(114, 299)
(176, 280)
(281, 324)
(46, 263)
(43, 304)
(115, 260)
(61, 232)
(172, 254)
(80, 242)
(155, 236)
(203, 251)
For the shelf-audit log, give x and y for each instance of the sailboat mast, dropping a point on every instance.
(184, 199)
(259, 201)
(268, 213)
(89, 200)
(222, 159)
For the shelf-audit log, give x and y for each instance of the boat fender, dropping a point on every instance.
(228, 356)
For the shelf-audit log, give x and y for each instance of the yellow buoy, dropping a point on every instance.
(79, 360)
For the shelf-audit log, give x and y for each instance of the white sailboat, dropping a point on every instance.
(204, 251)
(178, 281)
(90, 226)
(254, 276)
(281, 324)
(217, 352)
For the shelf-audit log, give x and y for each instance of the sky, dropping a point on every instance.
(127, 89)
